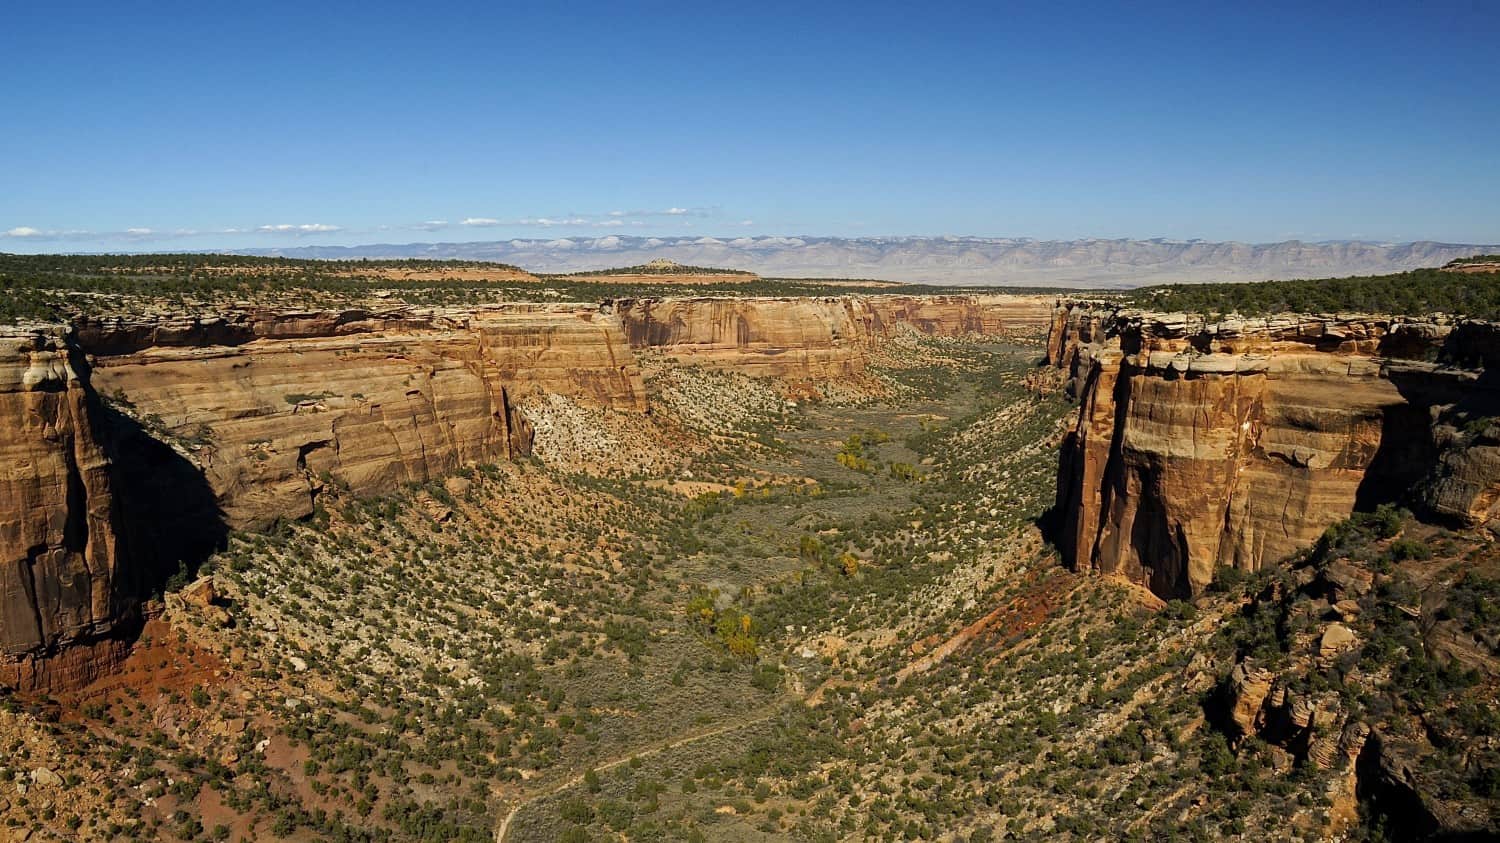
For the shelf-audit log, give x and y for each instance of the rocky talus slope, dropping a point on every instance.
(138, 443)
(1202, 445)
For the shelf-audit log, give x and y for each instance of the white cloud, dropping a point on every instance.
(431, 225)
(25, 231)
(548, 222)
(617, 213)
(610, 223)
(304, 228)
(676, 212)
(747, 222)
(481, 222)
(139, 232)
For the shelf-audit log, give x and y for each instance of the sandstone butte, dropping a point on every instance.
(136, 444)
(1204, 445)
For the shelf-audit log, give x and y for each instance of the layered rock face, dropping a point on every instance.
(1236, 444)
(273, 406)
(60, 541)
(957, 316)
(812, 339)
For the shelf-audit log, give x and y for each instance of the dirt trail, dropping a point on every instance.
(766, 713)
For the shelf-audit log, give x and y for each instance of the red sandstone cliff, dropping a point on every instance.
(1236, 444)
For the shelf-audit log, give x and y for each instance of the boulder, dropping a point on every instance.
(1336, 639)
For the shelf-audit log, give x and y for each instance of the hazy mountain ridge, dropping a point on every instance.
(972, 260)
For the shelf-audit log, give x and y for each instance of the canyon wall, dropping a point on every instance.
(794, 338)
(1200, 445)
(274, 405)
(957, 315)
(812, 339)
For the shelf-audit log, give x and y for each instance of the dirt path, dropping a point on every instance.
(765, 714)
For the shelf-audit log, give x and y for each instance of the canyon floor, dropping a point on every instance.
(742, 618)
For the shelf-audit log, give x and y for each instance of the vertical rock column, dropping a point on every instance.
(60, 554)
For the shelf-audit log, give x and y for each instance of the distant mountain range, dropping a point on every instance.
(955, 260)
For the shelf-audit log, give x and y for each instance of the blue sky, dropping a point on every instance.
(194, 125)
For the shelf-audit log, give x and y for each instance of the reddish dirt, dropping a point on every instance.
(1042, 595)
(159, 663)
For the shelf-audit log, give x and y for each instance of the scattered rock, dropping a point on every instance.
(201, 593)
(1336, 639)
(1346, 581)
(1248, 686)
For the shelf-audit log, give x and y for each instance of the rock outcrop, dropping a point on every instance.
(1200, 445)
(60, 539)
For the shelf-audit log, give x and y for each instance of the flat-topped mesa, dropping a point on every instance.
(1235, 443)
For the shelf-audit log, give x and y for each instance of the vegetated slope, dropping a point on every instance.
(1415, 293)
(410, 667)
(1375, 655)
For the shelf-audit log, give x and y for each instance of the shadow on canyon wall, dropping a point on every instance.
(168, 516)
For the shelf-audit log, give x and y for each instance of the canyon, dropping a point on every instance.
(1203, 445)
(428, 526)
(142, 441)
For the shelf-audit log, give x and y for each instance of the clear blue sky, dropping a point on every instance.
(270, 123)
